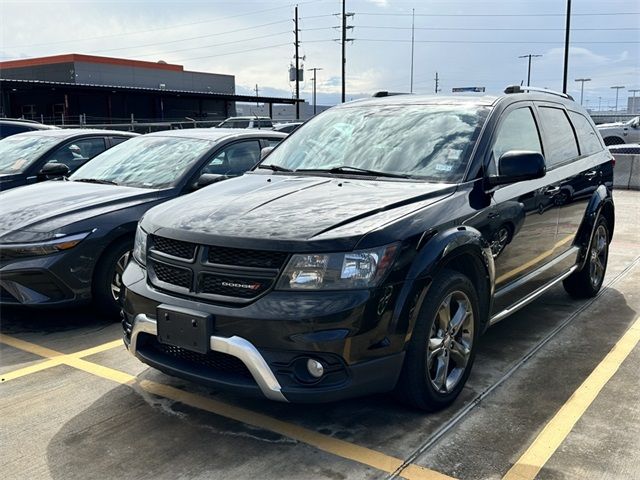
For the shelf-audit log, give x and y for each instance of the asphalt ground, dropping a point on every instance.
(554, 394)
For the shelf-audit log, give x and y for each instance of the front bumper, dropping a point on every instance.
(259, 348)
(50, 280)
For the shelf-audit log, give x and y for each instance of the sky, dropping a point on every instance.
(467, 42)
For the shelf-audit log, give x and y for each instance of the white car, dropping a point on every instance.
(620, 132)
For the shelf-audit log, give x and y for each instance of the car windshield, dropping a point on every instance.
(147, 162)
(430, 142)
(19, 151)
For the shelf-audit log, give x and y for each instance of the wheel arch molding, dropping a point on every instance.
(600, 203)
(462, 249)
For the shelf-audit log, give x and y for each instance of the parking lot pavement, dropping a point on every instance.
(549, 396)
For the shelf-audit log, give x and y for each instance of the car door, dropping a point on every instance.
(571, 184)
(520, 226)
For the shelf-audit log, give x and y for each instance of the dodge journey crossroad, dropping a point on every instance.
(370, 250)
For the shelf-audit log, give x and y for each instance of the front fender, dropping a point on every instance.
(462, 243)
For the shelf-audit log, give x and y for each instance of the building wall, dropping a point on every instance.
(106, 74)
(57, 72)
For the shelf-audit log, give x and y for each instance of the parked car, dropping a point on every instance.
(32, 157)
(247, 122)
(621, 132)
(287, 127)
(13, 126)
(369, 251)
(67, 242)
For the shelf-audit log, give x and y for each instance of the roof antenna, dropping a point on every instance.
(521, 82)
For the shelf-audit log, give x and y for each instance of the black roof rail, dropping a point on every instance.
(384, 93)
(522, 89)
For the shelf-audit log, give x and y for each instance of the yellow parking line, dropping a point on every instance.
(554, 433)
(533, 261)
(55, 358)
(340, 448)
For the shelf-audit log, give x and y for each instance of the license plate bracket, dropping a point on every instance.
(184, 328)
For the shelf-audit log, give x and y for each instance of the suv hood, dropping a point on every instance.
(48, 206)
(302, 211)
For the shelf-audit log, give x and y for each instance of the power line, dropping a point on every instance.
(486, 41)
(169, 27)
(496, 14)
(199, 37)
(495, 29)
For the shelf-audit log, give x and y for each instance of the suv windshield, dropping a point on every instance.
(431, 142)
(147, 162)
(18, 152)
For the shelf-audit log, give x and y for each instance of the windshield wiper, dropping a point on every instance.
(275, 168)
(95, 180)
(355, 170)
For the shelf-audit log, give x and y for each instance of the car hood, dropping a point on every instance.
(305, 211)
(609, 125)
(48, 206)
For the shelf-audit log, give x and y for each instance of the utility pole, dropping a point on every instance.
(437, 83)
(344, 41)
(413, 30)
(297, 44)
(314, 70)
(566, 48)
(633, 102)
(617, 88)
(530, 55)
(582, 80)
(599, 103)
(257, 95)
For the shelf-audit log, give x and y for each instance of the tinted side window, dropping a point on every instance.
(116, 140)
(265, 124)
(518, 131)
(587, 136)
(272, 142)
(76, 153)
(8, 130)
(560, 144)
(235, 159)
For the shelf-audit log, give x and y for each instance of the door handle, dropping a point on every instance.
(591, 173)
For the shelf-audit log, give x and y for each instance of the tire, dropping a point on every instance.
(586, 282)
(431, 381)
(108, 278)
(613, 141)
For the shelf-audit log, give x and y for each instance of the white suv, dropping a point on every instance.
(247, 122)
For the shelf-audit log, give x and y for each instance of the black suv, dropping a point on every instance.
(370, 250)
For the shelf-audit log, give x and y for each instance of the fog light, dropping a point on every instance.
(315, 368)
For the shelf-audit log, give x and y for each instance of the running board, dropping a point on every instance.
(514, 308)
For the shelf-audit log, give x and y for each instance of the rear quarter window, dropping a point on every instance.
(560, 141)
(588, 138)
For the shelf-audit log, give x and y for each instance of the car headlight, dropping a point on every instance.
(140, 246)
(338, 271)
(31, 249)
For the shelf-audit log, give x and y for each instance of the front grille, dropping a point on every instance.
(175, 248)
(233, 287)
(180, 277)
(217, 361)
(246, 258)
(212, 273)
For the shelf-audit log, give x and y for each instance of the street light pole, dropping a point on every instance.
(314, 87)
(566, 47)
(530, 55)
(617, 88)
(582, 80)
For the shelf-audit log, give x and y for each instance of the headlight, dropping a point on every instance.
(140, 246)
(338, 271)
(17, 250)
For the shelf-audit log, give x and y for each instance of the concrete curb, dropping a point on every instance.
(626, 173)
